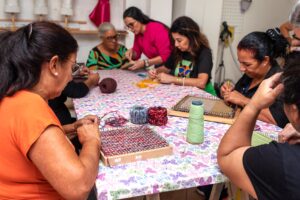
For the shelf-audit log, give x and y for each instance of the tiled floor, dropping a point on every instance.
(188, 194)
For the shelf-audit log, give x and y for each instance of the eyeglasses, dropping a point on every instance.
(131, 25)
(76, 68)
(112, 38)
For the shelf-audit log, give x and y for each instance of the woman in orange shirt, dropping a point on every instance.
(37, 160)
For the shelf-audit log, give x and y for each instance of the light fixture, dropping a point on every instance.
(67, 10)
(12, 7)
(245, 4)
(40, 8)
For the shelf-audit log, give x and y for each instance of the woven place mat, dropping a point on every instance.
(129, 140)
(212, 106)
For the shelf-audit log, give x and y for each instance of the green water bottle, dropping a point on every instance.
(195, 130)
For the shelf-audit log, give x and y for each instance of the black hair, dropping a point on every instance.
(291, 80)
(23, 52)
(189, 28)
(137, 14)
(264, 44)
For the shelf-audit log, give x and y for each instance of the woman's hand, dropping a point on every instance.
(89, 119)
(234, 97)
(88, 129)
(165, 78)
(289, 134)
(226, 88)
(137, 65)
(94, 78)
(84, 71)
(267, 92)
(152, 73)
(128, 54)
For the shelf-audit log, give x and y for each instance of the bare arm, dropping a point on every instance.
(285, 29)
(155, 61)
(238, 138)
(199, 82)
(234, 97)
(71, 176)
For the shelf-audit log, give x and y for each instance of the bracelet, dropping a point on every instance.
(178, 81)
(146, 63)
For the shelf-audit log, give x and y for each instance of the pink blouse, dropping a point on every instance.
(153, 42)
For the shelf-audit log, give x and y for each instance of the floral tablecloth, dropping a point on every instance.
(189, 166)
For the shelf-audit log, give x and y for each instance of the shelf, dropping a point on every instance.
(72, 31)
(93, 32)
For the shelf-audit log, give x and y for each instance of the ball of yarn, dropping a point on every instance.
(138, 115)
(108, 85)
(157, 116)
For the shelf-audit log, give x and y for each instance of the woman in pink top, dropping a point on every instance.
(151, 39)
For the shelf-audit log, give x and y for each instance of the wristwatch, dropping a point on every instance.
(146, 62)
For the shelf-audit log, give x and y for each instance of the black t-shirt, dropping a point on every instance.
(276, 108)
(274, 170)
(72, 90)
(186, 68)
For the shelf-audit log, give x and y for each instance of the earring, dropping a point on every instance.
(56, 74)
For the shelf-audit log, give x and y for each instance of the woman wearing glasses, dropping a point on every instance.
(37, 160)
(190, 63)
(257, 52)
(109, 54)
(151, 38)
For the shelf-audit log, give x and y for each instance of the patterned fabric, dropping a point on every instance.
(189, 166)
(184, 68)
(99, 60)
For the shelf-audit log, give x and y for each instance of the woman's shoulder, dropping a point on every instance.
(155, 25)
(204, 52)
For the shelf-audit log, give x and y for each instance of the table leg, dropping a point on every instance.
(216, 191)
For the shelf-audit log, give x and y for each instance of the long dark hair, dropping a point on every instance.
(137, 14)
(189, 28)
(291, 80)
(263, 44)
(23, 52)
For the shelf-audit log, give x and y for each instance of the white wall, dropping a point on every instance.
(261, 16)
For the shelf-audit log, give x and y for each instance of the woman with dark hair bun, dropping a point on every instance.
(151, 38)
(37, 160)
(256, 54)
(190, 63)
(269, 171)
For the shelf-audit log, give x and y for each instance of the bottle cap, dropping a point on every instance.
(197, 103)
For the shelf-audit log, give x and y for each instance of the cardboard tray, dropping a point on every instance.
(206, 117)
(137, 156)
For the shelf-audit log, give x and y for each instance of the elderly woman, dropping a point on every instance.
(37, 160)
(268, 171)
(257, 53)
(109, 54)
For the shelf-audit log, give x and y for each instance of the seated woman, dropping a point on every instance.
(269, 171)
(150, 38)
(190, 63)
(37, 160)
(256, 53)
(74, 89)
(109, 54)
